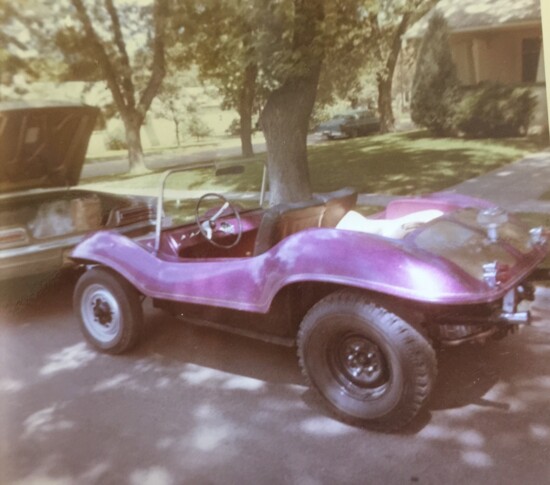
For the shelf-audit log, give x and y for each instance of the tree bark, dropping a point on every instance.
(246, 105)
(284, 121)
(384, 77)
(285, 116)
(132, 125)
(385, 109)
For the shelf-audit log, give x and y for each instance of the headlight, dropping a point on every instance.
(492, 218)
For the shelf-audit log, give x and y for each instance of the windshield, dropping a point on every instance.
(183, 189)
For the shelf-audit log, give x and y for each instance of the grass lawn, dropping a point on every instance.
(398, 163)
(189, 145)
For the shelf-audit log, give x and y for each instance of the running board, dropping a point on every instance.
(271, 339)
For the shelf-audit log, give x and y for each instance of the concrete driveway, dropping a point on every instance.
(194, 405)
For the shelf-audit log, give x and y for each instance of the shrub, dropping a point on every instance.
(494, 110)
(115, 137)
(234, 129)
(198, 128)
(435, 80)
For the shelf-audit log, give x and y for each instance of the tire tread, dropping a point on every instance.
(418, 352)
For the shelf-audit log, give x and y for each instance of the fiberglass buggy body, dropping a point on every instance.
(366, 300)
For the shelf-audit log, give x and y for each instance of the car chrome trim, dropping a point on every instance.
(62, 243)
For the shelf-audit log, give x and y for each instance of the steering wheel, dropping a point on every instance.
(208, 226)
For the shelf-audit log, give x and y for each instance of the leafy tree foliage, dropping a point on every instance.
(173, 102)
(435, 81)
(278, 58)
(92, 40)
(219, 36)
(133, 88)
(197, 127)
(26, 53)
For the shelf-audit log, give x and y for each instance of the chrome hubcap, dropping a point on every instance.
(361, 361)
(100, 313)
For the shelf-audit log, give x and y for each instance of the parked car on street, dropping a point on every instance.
(365, 299)
(42, 150)
(349, 125)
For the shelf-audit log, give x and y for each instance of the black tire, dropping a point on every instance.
(108, 309)
(365, 364)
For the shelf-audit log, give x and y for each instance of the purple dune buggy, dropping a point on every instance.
(366, 300)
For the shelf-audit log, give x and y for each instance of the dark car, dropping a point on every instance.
(365, 300)
(349, 125)
(42, 150)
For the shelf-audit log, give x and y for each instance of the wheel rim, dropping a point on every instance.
(101, 313)
(358, 365)
(360, 361)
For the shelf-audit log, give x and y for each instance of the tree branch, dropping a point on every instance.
(158, 68)
(396, 41)
(125, 69)
(102, 57)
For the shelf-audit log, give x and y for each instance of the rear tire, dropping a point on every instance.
(364, 363)
(109, 310)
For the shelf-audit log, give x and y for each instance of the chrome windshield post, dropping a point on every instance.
(160, 203)
(264, 185)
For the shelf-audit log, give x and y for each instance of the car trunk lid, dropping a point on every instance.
(465, 241)
(43, 144)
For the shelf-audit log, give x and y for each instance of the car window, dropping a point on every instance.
(184, 189)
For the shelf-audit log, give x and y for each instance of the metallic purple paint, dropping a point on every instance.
(393, 267)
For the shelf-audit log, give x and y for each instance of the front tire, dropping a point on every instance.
(365, 364)
(109, 310)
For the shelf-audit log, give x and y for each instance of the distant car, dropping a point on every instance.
(42, 150)
(350, 125)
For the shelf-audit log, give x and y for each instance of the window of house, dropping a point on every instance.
(530, 53)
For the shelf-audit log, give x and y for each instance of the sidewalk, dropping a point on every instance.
(516, 187)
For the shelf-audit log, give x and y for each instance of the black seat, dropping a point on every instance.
(281, 220)
(337, 205)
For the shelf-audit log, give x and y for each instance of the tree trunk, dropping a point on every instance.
(285, 116)
(284, 121)
(178, 139)
(387, 121)
(384, 78)
(246, 105)
(132, 126)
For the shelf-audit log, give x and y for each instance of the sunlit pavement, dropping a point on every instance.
(192, 405)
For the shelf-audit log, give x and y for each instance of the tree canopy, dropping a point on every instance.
(273, 58)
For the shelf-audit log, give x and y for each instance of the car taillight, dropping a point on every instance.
(13, 237)
(131, 215)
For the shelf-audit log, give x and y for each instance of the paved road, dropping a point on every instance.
(161, 162)
(193, 405)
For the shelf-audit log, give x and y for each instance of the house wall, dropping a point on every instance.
(496, 55)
